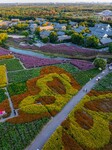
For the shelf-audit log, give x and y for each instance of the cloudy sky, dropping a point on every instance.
(38, 1)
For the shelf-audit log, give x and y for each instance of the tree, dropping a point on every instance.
(45, 40)
(37, 31)
(100, 63)
(92, 41)
(3, 37)
(25, 33)
(110, 48)
(53, 37)
(77, 38)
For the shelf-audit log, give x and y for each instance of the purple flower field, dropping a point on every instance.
(4, 51)
(31, 61)
(68, 50)
(82, 64)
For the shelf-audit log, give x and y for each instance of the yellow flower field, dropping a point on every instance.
(3, 78)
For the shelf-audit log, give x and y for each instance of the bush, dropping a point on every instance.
(45, 40)
(100, 63)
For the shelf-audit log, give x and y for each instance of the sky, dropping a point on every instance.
(43, 1)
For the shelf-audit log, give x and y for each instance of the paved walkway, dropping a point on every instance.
(51, 126)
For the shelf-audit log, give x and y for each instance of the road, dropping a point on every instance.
(51, 126)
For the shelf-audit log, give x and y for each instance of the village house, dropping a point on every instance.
(73, 24)
(44, 34)
(79, 29)
(63, 38)
(59, 26)
(33, 27)
(4, 24)
(105, 15)
(46, 28)
(106, 40)
(15, 20)
(60, 33)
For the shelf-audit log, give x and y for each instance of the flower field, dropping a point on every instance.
(82, 64)
(68, 50)
(41, 90)
(30, 61)
(6, 56)
(11, 64)
(4, 51)
(3, 77)
(45, 95)
(88, 126)
(18, 136)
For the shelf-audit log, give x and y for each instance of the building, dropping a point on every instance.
(63, 38)
(4, 24)
(59, 26)
(73, 24)
(33, 27)
(60, 33)
(44, 34)
(105, 15)
(46, 28)
(106, 40)
(15, 20)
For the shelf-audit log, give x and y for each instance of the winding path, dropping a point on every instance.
(51, 126)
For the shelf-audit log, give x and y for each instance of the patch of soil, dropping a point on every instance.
(84, 119)
(104, 105)
(69, 143)
(46, 100)
(56, 86)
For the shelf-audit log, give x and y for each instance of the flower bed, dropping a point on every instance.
(88, 126)
(82, 64)
(6, 56)
(4, 51)
(11, 64)
(30, 61)
(68, 50)
(54, 85)
(19, 136)
(3, 77)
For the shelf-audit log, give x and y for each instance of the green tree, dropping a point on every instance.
(53, 37)
(92, 41)
(37, 31)
(45, 40)
(25, 33)
(100, 63)
(77, 38)
(110, 48)
(3, 37)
